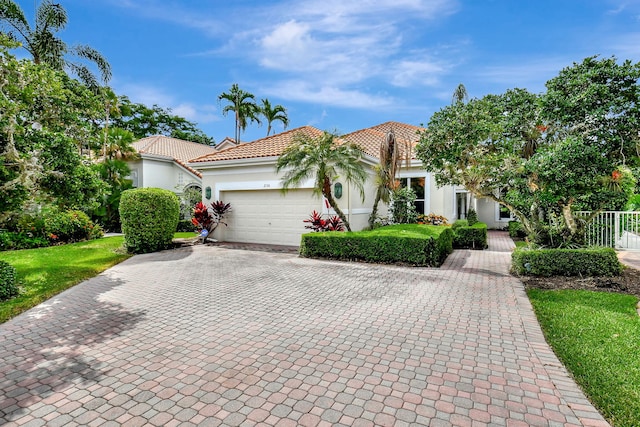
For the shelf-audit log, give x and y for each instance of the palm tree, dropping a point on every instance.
(323, 159)
(460, 95)
(391, 157)
(45, 47)
(272, 114)
(243, 105)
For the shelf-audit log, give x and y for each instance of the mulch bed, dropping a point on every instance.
(627, 283)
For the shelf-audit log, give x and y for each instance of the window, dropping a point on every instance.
(417, 184)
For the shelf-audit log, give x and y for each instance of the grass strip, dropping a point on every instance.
(596, 335)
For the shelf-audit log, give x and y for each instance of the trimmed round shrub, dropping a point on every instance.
(149, 219)
(8, 288)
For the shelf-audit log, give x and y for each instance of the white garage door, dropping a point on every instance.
(268, 216)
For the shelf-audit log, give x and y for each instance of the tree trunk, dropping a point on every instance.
(374, 211)
(569, 220)
(326, 192)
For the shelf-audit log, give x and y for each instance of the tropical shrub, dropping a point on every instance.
(11, 240)
(69, 226)
(8, 288)
(207, 218)
(420, 245)
(516, 230)
(469, 236)
(149, 218)
(402, 209)
(317, 223)
(566, 262)
(432, 219)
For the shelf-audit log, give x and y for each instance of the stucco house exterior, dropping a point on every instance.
(245, 176)
(163, 162)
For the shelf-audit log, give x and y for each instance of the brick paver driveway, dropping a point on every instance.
(215, 336)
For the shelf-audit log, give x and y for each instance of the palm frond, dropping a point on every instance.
(90, 54)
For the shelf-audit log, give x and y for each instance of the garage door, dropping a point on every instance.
(268, 216)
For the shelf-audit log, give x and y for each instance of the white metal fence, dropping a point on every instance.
(615, 229)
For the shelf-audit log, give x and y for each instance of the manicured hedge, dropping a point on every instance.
(420, 245)
(149, 218)
(566, 262)
(469, 237)
(8, 288)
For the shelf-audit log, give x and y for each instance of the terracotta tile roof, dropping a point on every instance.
(226, 143)
(271, 146)
(179, 149)
(369, 139)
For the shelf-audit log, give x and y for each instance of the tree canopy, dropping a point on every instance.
(544, 156)
(46, 47)
(145, 121)
(322, 159)
(244, 107)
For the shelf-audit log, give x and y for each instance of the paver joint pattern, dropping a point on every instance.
(213, 336)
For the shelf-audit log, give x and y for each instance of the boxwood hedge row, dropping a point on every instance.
(428, 249)
(469, 236)
(566, 262)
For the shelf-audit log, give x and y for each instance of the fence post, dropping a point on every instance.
(616, 230)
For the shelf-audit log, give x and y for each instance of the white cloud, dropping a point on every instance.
(407, 73)
(328, 95)
(145, 94)
(149, 96)
(197, 113)
(333, 46)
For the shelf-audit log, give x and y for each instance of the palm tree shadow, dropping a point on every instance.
(45, 350)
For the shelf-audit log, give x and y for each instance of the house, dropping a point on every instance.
(163, 162)
(245, 176)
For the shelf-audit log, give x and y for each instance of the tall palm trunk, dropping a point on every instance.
(374, 211)
(326, 192)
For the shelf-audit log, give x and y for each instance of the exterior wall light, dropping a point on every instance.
(207, 193)
(337, 190)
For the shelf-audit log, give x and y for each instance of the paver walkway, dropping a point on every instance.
(213, 336)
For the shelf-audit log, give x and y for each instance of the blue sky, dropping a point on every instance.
(338, 64)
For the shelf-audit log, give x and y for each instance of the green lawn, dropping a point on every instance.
(597, 337)
(45, 272)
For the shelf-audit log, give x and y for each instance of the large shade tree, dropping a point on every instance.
(44, 116)
(243, 106)
(544, 157)
(322, 158)
(45, 47)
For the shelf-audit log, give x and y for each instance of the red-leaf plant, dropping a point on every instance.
(317, 223)
(209, 217)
